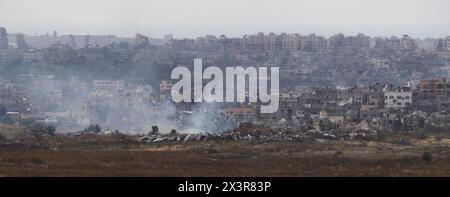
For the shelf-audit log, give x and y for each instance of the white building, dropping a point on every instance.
(379, 63)
(107, 88)
(397, 98)
(165, 85)
(109, 84)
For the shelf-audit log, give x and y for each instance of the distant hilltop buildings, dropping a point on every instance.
(443, 44)
(76, 41)
(19, 44)
(311, 43)
(127, 71)
(3, 39)
(271, 41)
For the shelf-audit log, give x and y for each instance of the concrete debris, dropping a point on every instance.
(152, 138)
(252, 132)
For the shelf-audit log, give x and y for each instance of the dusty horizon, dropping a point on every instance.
(188, 19)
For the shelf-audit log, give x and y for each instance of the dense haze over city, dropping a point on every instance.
(357, 87)
(418, 18)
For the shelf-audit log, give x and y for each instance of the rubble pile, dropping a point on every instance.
(343, 134)
(174, 137)
(357, 131)
(155, 136)
(246, 131)
(348, 131)
(249, 131)
(252, 132)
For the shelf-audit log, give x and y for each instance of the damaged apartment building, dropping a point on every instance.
(380, 105)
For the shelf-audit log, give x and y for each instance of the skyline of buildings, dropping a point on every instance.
(309, 42)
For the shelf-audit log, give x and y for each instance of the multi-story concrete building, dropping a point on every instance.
(3, 39)
(168, 37)
(20, 42)
(107, 88)
(206, 42)
(442, 44)
(290, 41)
(379, 63)
(313, 43)
(270, 41)
(336, 42)
(183, 44)
(434, 88)
(141, 40)
(8, 56)
(387, 43)
(407, 43)
(358, 41)
(397, 98)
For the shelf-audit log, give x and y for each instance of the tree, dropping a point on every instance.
(3, 117)
(93, 129)
(427, 156)
(39, 129)
(327, 125)
(3, 110)
(421, 123)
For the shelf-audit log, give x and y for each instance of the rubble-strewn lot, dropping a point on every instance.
(120, 155)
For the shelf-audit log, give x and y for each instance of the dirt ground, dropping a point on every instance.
(124, 156)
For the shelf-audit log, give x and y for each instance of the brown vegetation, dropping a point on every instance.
(119, 155)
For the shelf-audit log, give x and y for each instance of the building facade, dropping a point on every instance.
(397, 98)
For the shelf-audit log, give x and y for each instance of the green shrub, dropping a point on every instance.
(421, 136)
(3, 110)
(39, 129)
(93, 129)
(427, 156)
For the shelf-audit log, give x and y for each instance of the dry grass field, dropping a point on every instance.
(118, 155)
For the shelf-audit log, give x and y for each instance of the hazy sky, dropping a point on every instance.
(190, 18)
